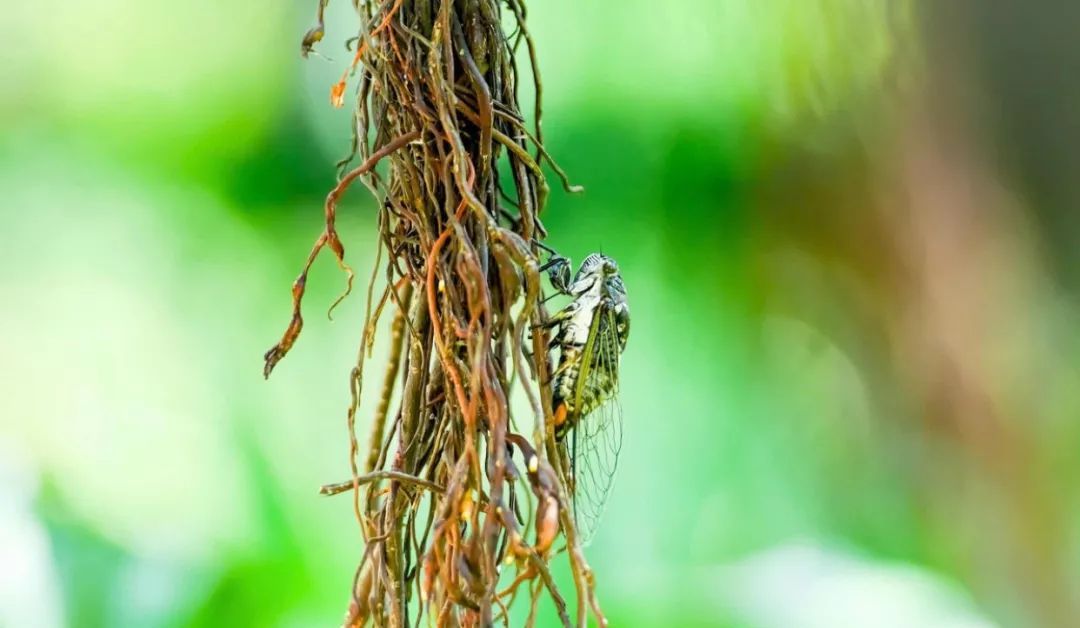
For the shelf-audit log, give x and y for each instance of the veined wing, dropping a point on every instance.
(596, 439)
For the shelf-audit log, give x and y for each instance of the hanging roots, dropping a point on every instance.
(449, 491)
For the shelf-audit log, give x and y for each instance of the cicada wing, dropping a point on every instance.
(596, 439)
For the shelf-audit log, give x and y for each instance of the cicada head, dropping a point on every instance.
(611, 283)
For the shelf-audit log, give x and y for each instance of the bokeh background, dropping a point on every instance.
(849, 234)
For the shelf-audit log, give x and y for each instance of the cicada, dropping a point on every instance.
(590, 335)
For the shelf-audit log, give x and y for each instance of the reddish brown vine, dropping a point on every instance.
(450, 491)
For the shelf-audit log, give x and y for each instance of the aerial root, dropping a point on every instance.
(439, 498)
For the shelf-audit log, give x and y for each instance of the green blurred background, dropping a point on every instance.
(849, 236)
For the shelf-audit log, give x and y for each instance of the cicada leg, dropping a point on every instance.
(558, 271)
(555, 319)
(557, 268)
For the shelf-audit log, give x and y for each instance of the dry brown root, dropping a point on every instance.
(442, 498)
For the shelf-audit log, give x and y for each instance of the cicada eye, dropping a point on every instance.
(615, 284)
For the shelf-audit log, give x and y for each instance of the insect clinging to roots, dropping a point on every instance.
(590, 334)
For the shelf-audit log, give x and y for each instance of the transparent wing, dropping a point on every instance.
(597, 437)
